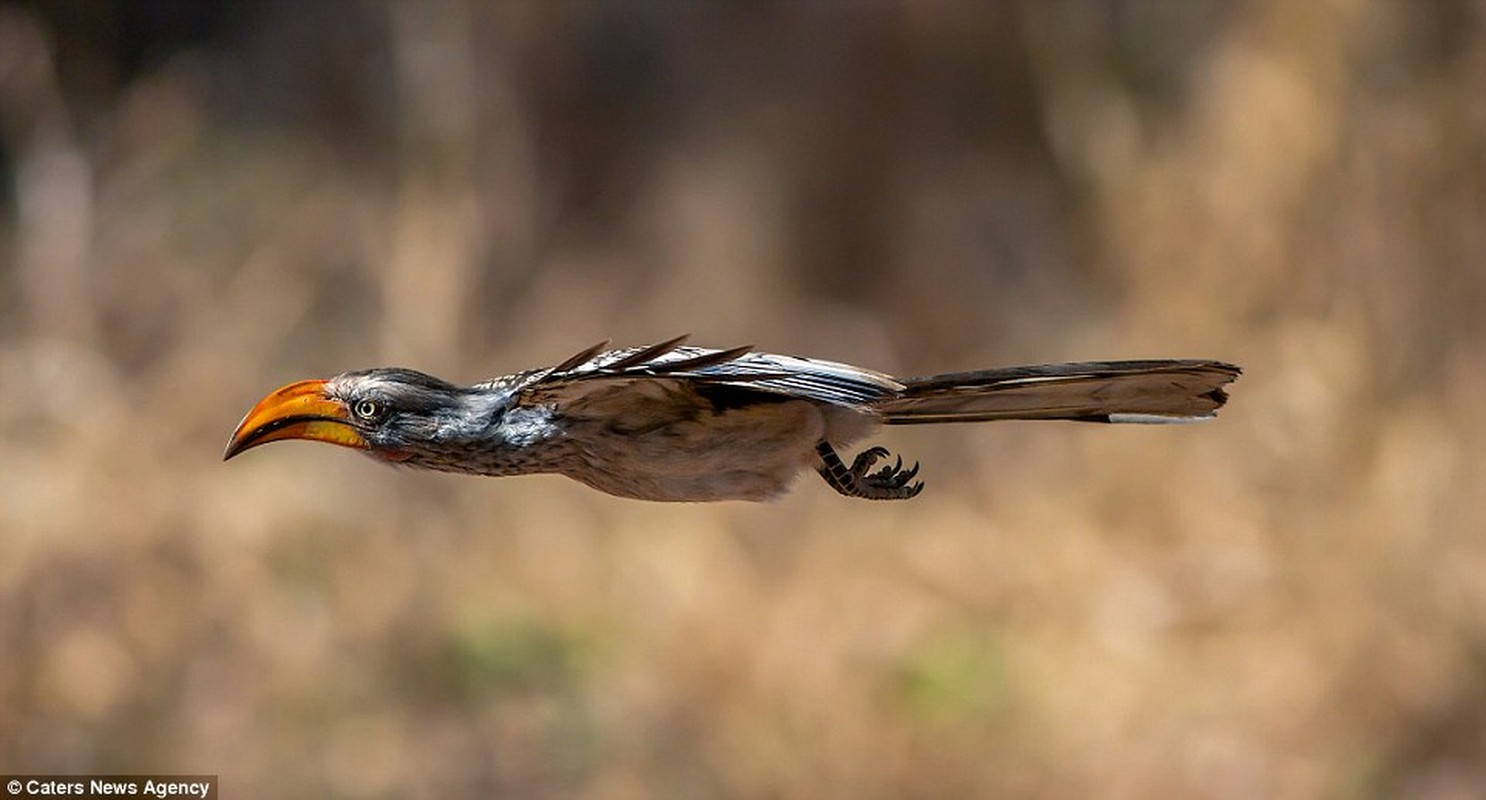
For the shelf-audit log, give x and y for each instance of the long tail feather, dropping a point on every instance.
(1096, 391)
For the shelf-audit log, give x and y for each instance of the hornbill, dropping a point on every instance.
(674, 422)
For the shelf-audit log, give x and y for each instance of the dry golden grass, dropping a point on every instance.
(1289, 602)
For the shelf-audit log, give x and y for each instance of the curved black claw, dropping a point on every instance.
(893, 477)
(866, 459)
(891, 482)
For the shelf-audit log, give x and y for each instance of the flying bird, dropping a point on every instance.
(680, 423)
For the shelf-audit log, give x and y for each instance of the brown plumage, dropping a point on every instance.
(673, 422)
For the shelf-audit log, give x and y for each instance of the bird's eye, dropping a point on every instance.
(367, 409)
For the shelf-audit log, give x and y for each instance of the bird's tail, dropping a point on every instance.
(1095, 391)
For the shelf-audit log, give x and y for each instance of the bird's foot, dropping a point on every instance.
(891, 482)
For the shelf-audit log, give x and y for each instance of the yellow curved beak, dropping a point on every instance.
(297, 411)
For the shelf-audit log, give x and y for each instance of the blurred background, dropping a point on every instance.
(203, 201)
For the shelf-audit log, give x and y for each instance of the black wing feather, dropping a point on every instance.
(787, 376)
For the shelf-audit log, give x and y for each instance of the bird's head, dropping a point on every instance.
(392, 413)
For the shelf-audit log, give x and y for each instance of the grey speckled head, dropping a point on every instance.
(409, 417)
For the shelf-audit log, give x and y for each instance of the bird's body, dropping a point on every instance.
(680, 423)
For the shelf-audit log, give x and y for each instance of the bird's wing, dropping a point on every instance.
(671, 362)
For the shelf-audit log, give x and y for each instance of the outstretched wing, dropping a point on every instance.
(674, 366)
